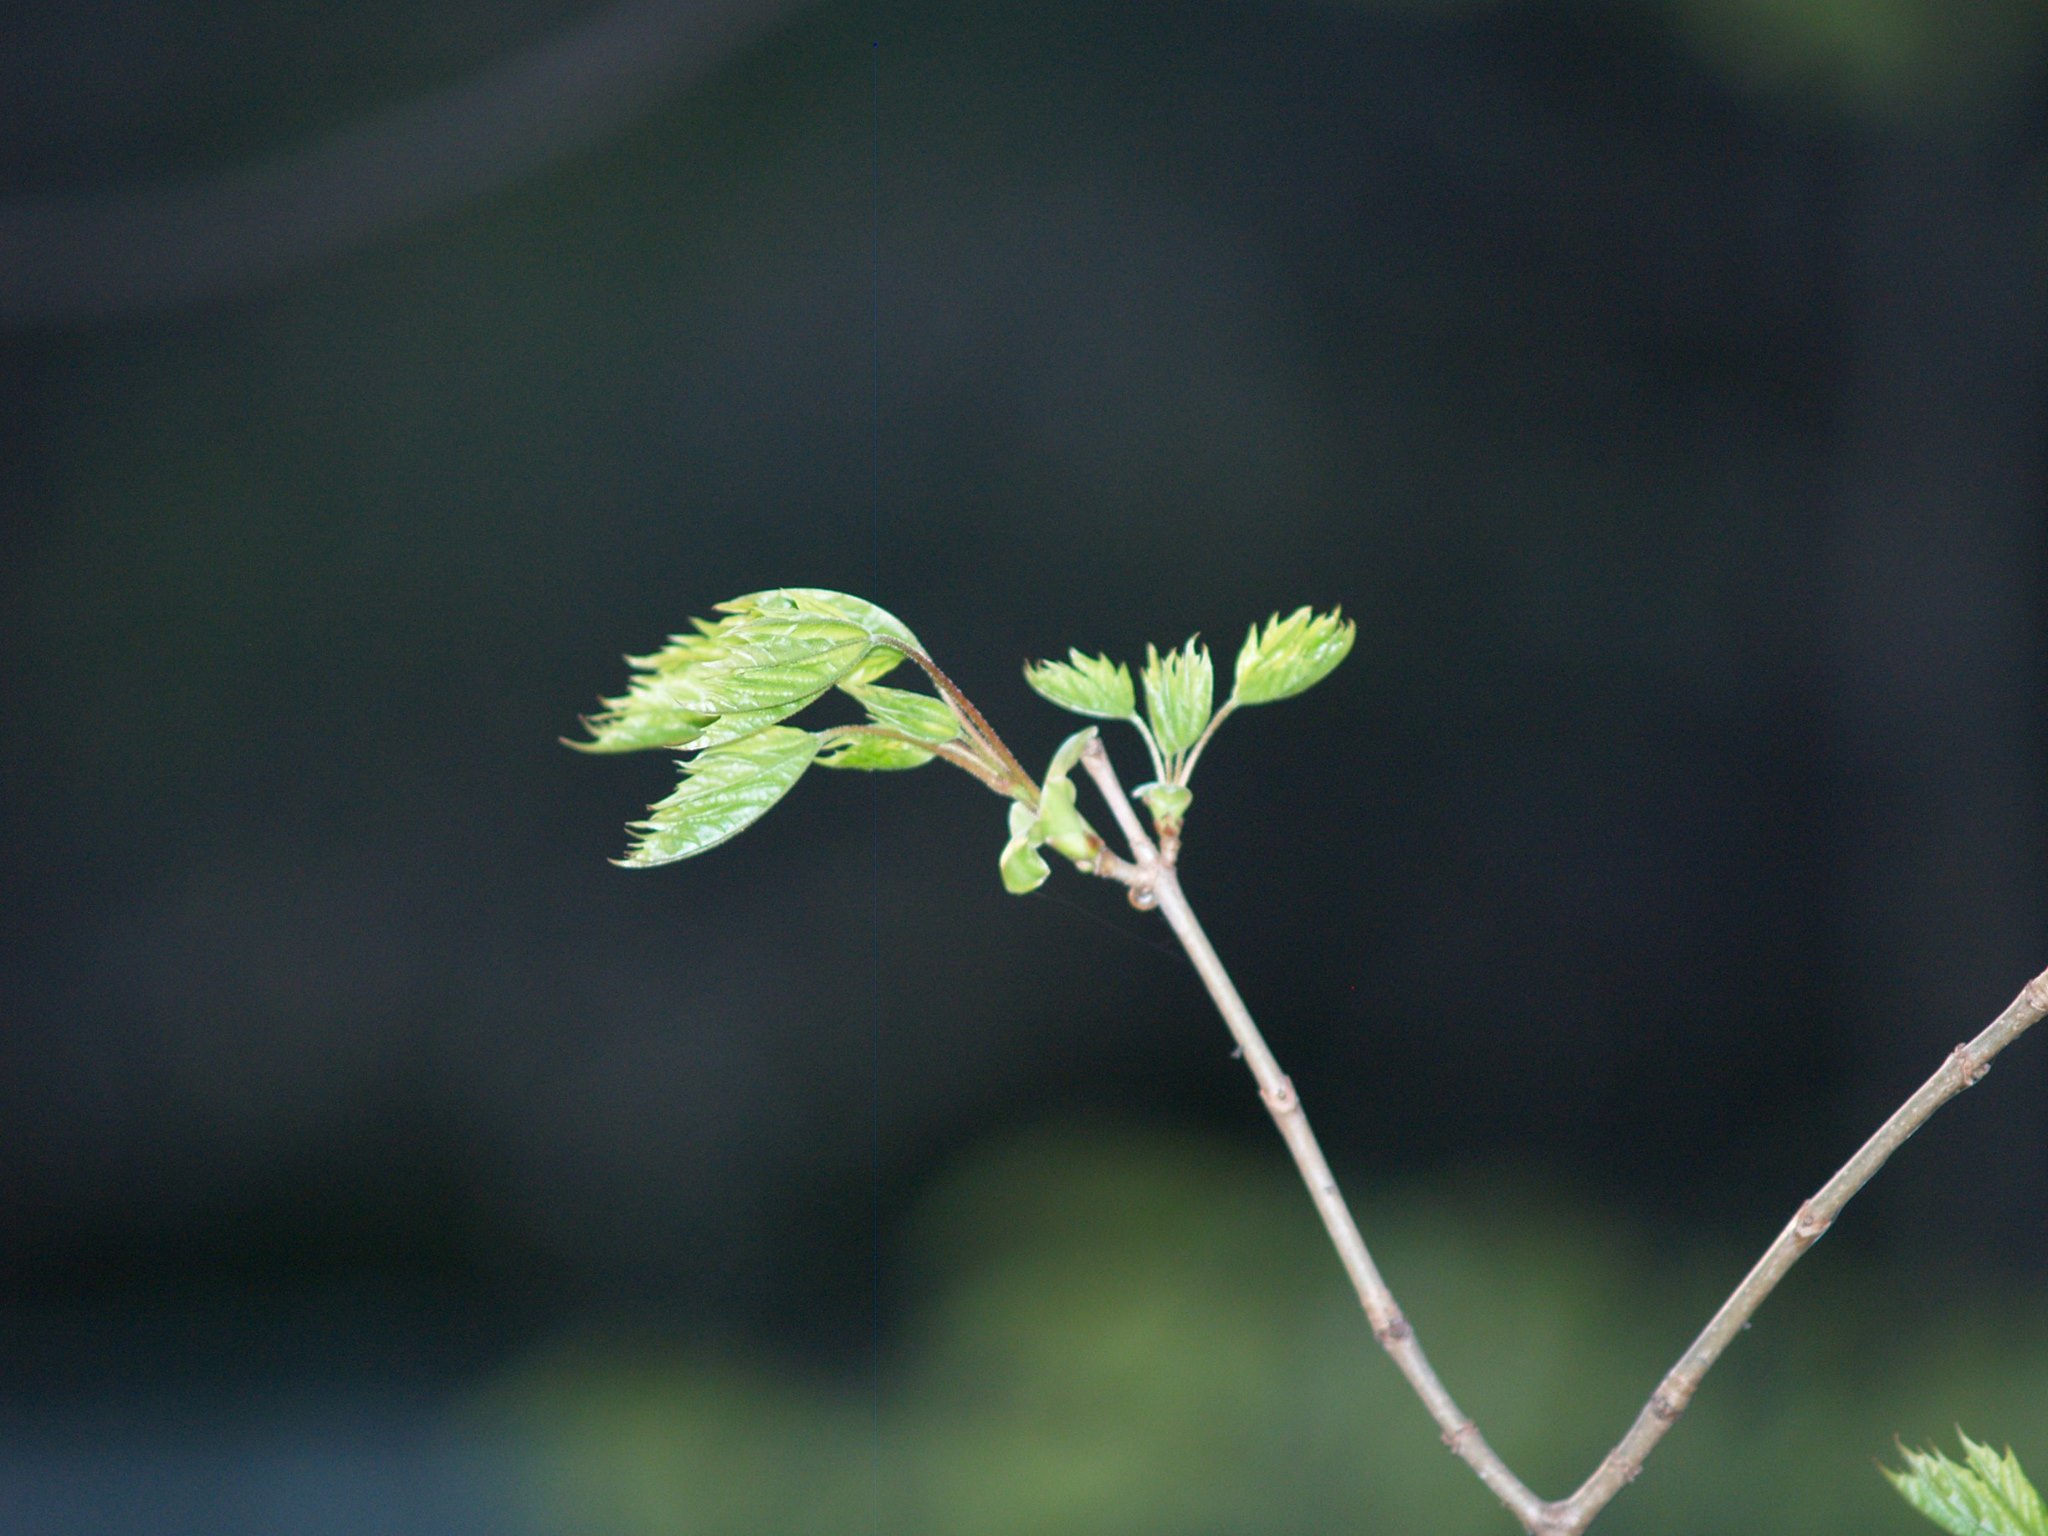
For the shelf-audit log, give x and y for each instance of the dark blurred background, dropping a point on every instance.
(1658, 383)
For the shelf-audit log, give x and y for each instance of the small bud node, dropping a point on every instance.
(1809, 1224)
(2036, 994)
(1969, 1066)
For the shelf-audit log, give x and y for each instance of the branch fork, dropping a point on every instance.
(689, 694)
(1153, 881)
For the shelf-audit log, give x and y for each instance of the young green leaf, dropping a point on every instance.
(727, 680)
(1068, 755)
(743, 723)
(724, 791)
(769, 662)
(837, 605)
(650, 714)
(1291, 655)
(1984, 1495)
(1055, 823)
(682, 652)
(876, 754)
(1059, 823)
(1087, 685)
(647, 717)
(1168, 803)
(914, 714)
(1063, 828)
(638, 721)
(1179, 689)
(1023, 868)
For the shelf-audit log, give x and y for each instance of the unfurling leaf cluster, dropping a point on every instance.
(1285, 657)
(1984, 1494)
(772, 654)
(721, 692)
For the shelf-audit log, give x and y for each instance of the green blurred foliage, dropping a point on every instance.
(1143, 1334)
(1874, 59)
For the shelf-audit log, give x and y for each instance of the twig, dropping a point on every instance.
(1965, 1066)
(1151, 877)
(1187, 768)
(1388, 1325)
(974, 724)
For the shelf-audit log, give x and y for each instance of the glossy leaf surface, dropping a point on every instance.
(1087, 685)
(1291, 655)
(639, 723)
(770, 656)
(724, 791)
(837, 605)
(914, 714)
(875, 754)
(1179, 691)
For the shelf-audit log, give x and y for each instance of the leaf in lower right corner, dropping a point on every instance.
(1983, 1495)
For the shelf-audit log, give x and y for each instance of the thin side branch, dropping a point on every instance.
(972, 719)
(1187, 769)
(1151, 746)
(1393, 1330)
(1095, 758)
(1964, 1067)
